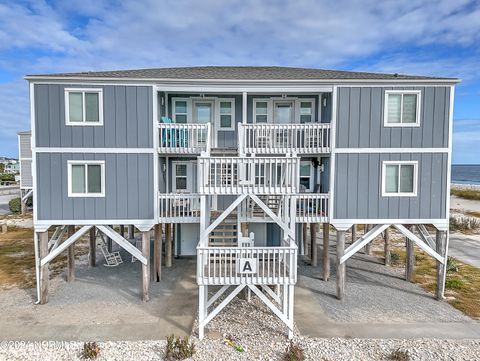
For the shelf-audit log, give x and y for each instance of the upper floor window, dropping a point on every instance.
(86, 178)
(306, 176)
(399, 178)
(226, 112)
(84, 106)
(402, 108)
(180, 110)
(306, 111)
(260, 111)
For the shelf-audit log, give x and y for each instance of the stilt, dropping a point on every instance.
(122, 230)
(110, 242)
(146, 267)
(201, 310)
(71, 256)
(157, 254)
(168, 245)
(45, 270)
(23, 204)
(305, 243)
(368, 246)
(340, 266)
(325, 251)
(131, 232)
(441, 268)
(92, 256)
(387, 247)
(313, 244)
(410, 261)
(354, 233)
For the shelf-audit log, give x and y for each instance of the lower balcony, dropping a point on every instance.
(246, 265)
(178, 208)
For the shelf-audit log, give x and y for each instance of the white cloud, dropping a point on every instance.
(95, 34)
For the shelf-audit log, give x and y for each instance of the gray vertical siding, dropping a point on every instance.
(127, 118)
(358, 183)
(128, 188)
(360, 122)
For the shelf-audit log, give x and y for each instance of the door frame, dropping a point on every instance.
(212, 102)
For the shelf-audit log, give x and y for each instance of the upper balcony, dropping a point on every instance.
(306, 138)
(185, 138)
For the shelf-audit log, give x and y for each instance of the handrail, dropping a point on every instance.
(189, 138)
(179, 207)
(305, 138)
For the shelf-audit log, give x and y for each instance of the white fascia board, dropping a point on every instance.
(101, 222)
(94, 150)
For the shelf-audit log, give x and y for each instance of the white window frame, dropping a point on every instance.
(312, 175)
(188, 101)
(85, 163)
(188, 176)
(418, 93)
(399, 163)
(84, 123)
(269, 109)
(298, 109)
(218, 115)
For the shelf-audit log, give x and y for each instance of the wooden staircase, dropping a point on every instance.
(225, 234)
(274, 202)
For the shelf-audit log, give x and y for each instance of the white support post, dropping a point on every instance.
(201, 311)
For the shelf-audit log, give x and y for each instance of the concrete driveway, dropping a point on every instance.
(4, 199)
(465, 248)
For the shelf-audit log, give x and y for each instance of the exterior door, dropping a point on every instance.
(203, 113)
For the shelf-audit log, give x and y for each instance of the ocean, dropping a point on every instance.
(466, 174)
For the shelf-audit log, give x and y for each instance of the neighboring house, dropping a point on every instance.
(219, 150)
(12, 167)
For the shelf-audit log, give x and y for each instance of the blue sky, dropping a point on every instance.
(440, 37)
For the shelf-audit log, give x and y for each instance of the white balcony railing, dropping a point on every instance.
(269, 265)
(312, 207)
(307, 138)
(238, 175)
(183, 138)
(178, 208)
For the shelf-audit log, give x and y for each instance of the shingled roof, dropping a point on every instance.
(239, 73)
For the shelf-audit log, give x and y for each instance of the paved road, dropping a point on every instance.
(4, 203)
(466, 248)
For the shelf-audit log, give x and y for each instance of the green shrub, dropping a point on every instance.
(90, 351)
(466, 194)
(395, 257)
(455, 284)
(179, 349)
(7, 177)
(294, 352)
(15, 205)
(464, 223)
(452, 265)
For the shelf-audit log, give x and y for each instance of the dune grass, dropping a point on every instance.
(466, 193)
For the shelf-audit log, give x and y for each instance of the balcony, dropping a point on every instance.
(241, 175)
(311, 208)
(269, 265)
(307, 138)
(177, 138)
(178, 208)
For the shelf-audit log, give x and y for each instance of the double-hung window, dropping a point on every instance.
(86, 178)
(402, 108)
(306, 176)
(260, 111)
(399, 178)
(306, 112)
(84, 107)
(180, 111)
(226, 113)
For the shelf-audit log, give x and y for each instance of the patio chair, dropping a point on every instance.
(113, 259)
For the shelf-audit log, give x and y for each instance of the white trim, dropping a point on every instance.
(218, 114)
(349, 221)
(86, 163)
(155, 154)
(168, 81)
(84, 122)
(269, 110)
(189, 176)
(449, 156)
(34, 156)
(418, 93)
(333, 150)
(95, 150)
(391, 150)
(41, 224)
(400, 163)
(311, 176)
(244, 107)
